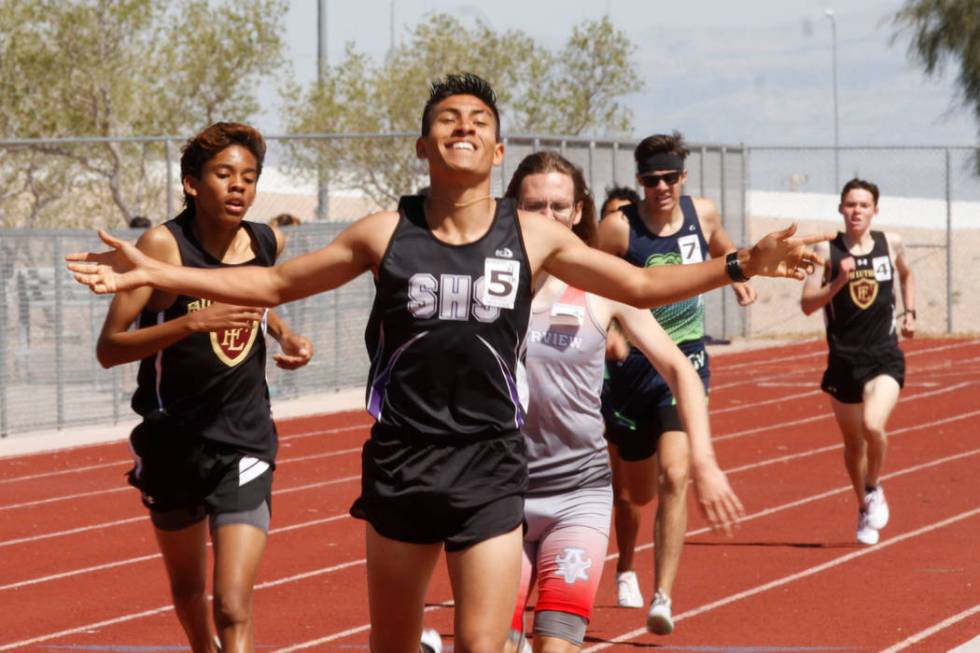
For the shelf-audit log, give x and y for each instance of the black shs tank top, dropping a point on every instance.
(446, 335)
(212, 383)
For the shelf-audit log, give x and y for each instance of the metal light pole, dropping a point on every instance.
(833, 36)
(391, 27)
(323, 182)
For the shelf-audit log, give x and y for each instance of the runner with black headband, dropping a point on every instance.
(648, 447)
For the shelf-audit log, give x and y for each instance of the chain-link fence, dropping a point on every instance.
(49, 325)
(930, 197)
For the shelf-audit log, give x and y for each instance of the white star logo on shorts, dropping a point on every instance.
(573, 565)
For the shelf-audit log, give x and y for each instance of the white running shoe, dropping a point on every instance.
(659, 620)
(431, 641)
(877, 508)
(628, 589)
(866, 534)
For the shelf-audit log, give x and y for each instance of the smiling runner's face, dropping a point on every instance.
(462, 137)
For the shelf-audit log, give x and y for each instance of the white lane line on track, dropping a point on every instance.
(82, 629)
(833, 447)
(352, 563)
(168, 608)
(785, 580)
(967, 647)
(78, 572)
(346, 633)
(815, 497)
(71, 531)
(765, 402)
(138, 559)
(127, 488)
(811, 393)
(65, 497)
(973, 645)
(129, 520)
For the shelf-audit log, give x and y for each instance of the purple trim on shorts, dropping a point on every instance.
(515, 396)
(380, 382)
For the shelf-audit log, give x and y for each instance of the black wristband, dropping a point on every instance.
(911, 311)
(734, 268)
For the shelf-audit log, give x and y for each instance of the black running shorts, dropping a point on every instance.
(638, 406)
(457, 491)
(180, 472)
(847, 372)
(640, 442)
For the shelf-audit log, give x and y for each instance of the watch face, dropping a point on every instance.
(734, 269)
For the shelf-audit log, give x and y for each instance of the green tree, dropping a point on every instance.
(574, 91)
(589, 76)
(944, 32)
(120, 68)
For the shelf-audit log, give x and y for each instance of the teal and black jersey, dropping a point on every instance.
(211, 384)
(683, 320)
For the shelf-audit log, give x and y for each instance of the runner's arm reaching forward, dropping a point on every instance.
(357, 249)
(558, 251)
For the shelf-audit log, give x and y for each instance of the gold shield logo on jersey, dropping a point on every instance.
(863, 292)
(232, 345)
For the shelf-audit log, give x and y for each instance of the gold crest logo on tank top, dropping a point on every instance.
(231, 346)
(863, 292)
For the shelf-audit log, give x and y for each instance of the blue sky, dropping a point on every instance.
(756, 71)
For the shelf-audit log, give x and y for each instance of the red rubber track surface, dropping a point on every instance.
(80, 567)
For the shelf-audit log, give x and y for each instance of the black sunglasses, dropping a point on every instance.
(669, 178)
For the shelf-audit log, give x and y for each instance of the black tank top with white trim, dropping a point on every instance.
(861, 316)
(447, 331)
(212, 384)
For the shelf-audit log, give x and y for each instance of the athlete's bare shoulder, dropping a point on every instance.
(536, 227)
(613, 233)
(383, 221)
(159, 243)
(705, 206)
(543, 237)
(371, 234)
(893, 240)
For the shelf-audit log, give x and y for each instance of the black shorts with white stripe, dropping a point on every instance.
(176, 471)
